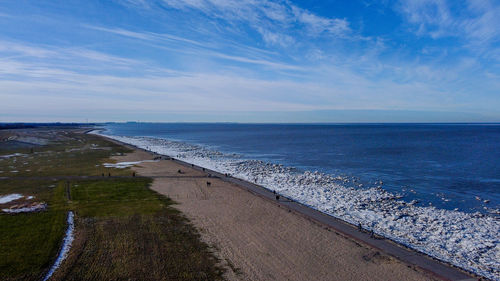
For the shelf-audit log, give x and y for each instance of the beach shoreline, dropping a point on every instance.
(421, 262)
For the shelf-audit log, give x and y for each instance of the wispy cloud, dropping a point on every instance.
(268, 63)
(316, 24)
(431, 17)
(273, 20)
(203, 48)
(475, 22)
(334, 88)
(151, 36)
(249, 55)
(25, 62)
(17, 49)
(275, 38)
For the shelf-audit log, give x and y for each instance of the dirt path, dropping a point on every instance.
(259, 240)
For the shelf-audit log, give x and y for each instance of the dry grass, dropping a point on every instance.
(124, 230)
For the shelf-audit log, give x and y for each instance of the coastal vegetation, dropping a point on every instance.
(123, 230)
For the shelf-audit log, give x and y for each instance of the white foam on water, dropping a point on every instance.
(467, 240)
(68, 240)
(10, 197)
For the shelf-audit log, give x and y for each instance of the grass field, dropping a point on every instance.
(124, 230)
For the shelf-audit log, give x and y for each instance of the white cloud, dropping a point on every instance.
(432, 17)
(316, 24)
(219, 73)
(275, 38)
(484, 23)
(274, 17)
(11, 48)
(267, 63)
(31, 86)
(475, 22)
(151, 36)
(69, 54)
(207, 49)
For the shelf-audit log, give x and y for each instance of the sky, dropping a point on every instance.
(250, 61)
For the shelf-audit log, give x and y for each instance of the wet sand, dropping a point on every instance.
(258, 239)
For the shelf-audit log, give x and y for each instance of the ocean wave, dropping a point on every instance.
(467, 240)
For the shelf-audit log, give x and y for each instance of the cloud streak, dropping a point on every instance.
(270, 19)
(474, 22)
(209, 50)
(250, 55)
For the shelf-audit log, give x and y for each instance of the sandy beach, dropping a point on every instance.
(257, 239)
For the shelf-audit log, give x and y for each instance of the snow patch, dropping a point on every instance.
(68, 240)
(12, 155)
(27, 209)
(10, 197)
(122, 165)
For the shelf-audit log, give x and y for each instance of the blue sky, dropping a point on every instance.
(250, 60)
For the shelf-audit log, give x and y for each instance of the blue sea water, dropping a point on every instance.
(445, 165)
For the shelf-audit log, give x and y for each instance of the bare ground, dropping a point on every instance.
(256, 239)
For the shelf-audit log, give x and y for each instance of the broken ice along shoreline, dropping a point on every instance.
(467, 240)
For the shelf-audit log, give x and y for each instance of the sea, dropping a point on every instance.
(432, 187)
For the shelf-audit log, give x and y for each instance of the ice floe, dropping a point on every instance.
(467, 240)
(68, 240)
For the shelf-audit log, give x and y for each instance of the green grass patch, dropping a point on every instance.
(160, 246)
(124, 230)
(115, 197)
(133, 232)
(77, 155)
(29, 242)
